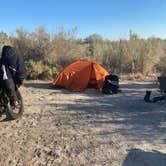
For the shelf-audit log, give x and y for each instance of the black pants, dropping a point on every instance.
(10, 88)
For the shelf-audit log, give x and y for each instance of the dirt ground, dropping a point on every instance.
(59, 127)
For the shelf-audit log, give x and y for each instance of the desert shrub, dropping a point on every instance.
(46, 53)
(4, 40)
(136, 76)
(56, 70)
(33, 69)
(133, 56)
(162, 66)
(39, 70)
(46, 74)
(32, 45)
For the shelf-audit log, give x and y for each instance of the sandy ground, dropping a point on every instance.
(59, 127)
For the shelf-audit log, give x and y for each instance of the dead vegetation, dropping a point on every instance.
(46, 53)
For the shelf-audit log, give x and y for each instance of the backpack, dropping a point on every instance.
(111, 84)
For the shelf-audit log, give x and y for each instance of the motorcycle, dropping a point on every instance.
(5, 107)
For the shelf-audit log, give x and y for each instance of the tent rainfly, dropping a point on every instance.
(81, 74)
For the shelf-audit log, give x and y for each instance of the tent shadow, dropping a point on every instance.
(38, 85)
(50, 86)
(138, 157)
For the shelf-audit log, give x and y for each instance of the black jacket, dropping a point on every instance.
(111, 84)
(14, 64)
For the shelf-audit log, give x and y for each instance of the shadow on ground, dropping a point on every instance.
(38, 85)
(137, 157)
(126, 110)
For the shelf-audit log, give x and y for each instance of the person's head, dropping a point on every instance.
(9, 54)
(7, 50)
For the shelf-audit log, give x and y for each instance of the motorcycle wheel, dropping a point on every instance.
(18, 111)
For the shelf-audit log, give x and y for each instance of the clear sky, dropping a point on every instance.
(111, 19)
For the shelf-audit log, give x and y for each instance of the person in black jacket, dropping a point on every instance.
(12, 70)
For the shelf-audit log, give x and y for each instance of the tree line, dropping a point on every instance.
(46, 53)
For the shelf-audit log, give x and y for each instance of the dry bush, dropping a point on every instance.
(38, 70)
(4, 40)
(136, 76)
(46, 53)
(162, 66)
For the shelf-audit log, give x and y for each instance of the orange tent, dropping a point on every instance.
(80, 74)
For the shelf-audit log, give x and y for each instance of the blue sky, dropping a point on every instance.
(111, 19)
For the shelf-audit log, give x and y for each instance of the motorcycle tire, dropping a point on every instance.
(11, 113)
